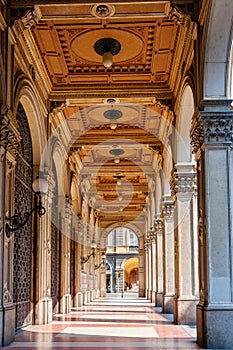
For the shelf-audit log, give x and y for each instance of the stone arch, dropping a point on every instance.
(25, 94)
(183, 150)
(75, 195)
(167, 168)
(218, 51)
(138, 232)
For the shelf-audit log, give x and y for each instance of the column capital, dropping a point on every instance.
(183, 179)
(158, 224)
(167, 208)
(9, 135)
(213, 125)
(30, 18)
(179, 17)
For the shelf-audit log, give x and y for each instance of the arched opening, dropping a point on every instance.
(121, 247)
(131, 274)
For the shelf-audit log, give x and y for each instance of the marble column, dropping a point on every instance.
(148, 269)
(7, 307)
(102, 275)
(153, 267)
(183, 186)
(167, 214)
(212, 136)
(159, 261)
(141, 267)
(65, 296)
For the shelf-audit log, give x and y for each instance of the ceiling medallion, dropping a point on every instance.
(117, 152)
(107, 47)
(102, 10)
(113, 115)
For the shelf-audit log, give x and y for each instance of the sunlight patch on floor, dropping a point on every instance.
(132, 332)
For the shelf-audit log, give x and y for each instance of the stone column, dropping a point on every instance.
(212, 135)
(102, 276)
(65, 301)
(7, 311)
(78, 296)
(2, 223)
(8, 146)
(167, 213)
(148, 268)
(183, 185)
(141, 268)
(159, 260)
(153, 267)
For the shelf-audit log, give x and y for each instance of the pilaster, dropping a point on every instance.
(102, 276)
(183, 187)
(65, 301)
(141, 267)
(167, 214)
(212, 136)
(9, 138)
(159, 261)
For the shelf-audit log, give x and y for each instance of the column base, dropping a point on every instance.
(214, 326)
(148, 294)
(142, 293)
(87, 297)
(65, 304)
(153, 296)
(78, 299)
(168, 304)
(44, 311)
(7, 324)
(159, 299)
(185, 311)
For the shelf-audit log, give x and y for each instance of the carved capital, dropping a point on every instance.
(183, 182)
(9, 135)
(218, 129)
(158, 225)
(213, 125)
(179, 17)
(167, 210)
(197, 132)
(58, 106)
(30, 18)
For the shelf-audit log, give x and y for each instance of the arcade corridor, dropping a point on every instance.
(116, 116)
(108, 323)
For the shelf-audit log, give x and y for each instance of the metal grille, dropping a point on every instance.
(23, 237)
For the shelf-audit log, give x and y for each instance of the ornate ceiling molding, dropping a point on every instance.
(29, 18)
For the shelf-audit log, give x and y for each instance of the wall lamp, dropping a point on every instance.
(17, 221)
(84, 259)
(103, 256)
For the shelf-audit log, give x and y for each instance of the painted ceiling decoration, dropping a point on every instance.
(116, 117)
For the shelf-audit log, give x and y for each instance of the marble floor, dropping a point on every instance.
(109, 323)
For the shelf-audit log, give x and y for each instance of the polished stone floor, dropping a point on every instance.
(109, 323)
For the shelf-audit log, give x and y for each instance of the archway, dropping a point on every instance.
(121, 246)
(130, 268)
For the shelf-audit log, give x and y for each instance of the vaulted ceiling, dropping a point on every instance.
(116, 115)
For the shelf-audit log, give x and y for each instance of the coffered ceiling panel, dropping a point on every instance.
(66, 36)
